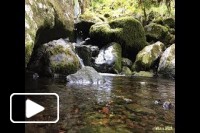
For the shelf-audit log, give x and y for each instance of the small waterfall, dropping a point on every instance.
(77, 9)
(81, 61)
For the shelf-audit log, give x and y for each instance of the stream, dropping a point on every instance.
(121, 105)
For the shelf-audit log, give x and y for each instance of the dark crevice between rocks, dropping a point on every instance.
(82, 30)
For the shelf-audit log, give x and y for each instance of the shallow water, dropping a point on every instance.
(120, 105)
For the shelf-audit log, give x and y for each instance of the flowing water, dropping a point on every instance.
(121, 105)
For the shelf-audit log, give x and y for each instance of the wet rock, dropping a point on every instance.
(147, 57)
(126, 62)
(109, 59)
(86, 52)
(167, 63)
(86, 75)
(57, 56)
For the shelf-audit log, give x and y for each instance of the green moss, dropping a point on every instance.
(146, 58)
(168, 40)
(155, 31)
(132, 33)
(65, 68)
(126, 71)
(158, 20)
(118, 62)
(169, 22)
(28, 52)
(142, 62)
(126, 31)
(92, 17)
(70, 64)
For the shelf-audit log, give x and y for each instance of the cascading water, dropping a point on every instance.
(81, 61)
(77, 9)
(77, 12)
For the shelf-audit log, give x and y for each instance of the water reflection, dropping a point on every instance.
(121, 104)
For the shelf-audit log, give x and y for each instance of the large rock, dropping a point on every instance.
(147, 57)
(109, 59)
(155, 32)
(86, 52)
(167, 63)
(57, 56)
(86, 75)
(126, 31)
(47, 20)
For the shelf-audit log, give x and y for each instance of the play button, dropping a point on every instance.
(32, 108)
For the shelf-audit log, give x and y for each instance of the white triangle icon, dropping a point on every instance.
(32, 108)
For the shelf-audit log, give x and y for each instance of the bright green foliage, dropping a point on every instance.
(117, 8)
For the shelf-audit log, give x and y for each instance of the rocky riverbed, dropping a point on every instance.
(120, 105)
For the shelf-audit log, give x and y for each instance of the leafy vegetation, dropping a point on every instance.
(116, 8)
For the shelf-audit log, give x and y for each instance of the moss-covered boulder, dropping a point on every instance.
(167, 63)
(126, 31)
(109, 59)
(155, 32)
(46, 20)
(126, 62)
(170, 22)
(126, 71)
(57, 56)
(147, 57)
(86, 75)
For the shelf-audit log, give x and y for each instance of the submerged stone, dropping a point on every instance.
(86, 75)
